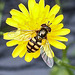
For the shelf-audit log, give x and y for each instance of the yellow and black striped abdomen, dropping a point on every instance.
(33, 45)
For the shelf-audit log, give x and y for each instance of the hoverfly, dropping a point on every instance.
(34, 43)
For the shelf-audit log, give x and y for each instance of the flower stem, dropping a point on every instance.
(61, 63)
(65, 51)
(1, 9)
(64, 55)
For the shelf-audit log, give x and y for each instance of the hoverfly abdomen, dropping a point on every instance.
(33, 45)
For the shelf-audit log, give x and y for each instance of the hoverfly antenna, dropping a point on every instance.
(48, 24)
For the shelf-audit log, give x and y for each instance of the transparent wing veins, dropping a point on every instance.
(21, 35)
(45, 52)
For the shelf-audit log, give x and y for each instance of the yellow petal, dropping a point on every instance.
(63, 31)
(21, 22)
(51, 18)
(56, 44)
(12, 22)
(5, 36)
(60, 38)
(11, 43)
(18, 50)
(55, 9)
(31, 4)
(23, 42)
(57, 20)
(18, 20)
(41, 4)
(47, 8)
(46, 11)
(22, 53)
(56, 27)
(19, 14)
(23, 9)
(36, 54)
(35, 11)
(43, 16)
(28, 57)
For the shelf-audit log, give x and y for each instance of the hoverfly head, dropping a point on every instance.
(46, 27)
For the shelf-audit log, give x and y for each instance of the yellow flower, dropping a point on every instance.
(37, 15)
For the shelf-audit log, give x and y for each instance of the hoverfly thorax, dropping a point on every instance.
(42, 33)
(44, 30)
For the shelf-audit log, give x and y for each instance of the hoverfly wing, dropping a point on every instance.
(47, 60)
(47, 54)
(21, 35)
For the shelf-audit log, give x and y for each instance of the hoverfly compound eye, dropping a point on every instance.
(49, 29)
